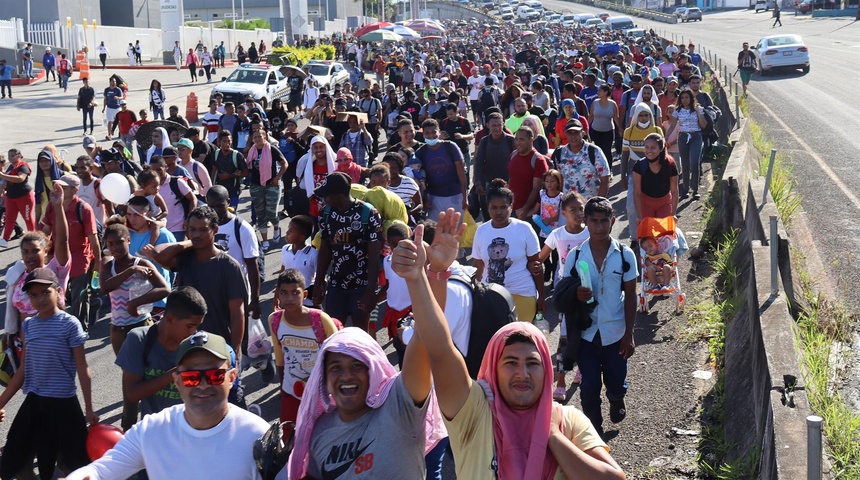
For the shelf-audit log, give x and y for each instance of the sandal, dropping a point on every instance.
(559, 394)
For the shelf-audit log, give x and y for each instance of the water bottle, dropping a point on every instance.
(139, 287)
(542, 324)
(539, 222)
(94, 282)
(585, 277)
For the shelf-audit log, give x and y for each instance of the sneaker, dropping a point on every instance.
(265, 245)
(577, 377)
(4, 243)
(559, 394)
(277, 237)
(617, 411)
(696, 196)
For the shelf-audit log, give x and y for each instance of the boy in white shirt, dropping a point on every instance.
(298, 254)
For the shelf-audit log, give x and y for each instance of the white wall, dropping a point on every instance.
(117, 39)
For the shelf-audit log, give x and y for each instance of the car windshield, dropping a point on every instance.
(319, 70)
(786, 40)
(569, 18)
(248, 76)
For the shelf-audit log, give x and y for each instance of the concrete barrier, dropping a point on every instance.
(636, 12)
(765, 399)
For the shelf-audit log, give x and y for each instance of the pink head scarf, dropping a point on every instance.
(521, 435)
(316, 399)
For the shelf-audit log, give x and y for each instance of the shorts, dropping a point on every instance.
(476, 107)
(746, 75)
(526, 307)
(110, 113)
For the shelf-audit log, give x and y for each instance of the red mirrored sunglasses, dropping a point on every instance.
(214, 376)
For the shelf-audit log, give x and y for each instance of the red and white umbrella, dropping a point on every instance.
(371, 27)
(529, 36)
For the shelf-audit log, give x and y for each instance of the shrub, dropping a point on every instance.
(321, 52)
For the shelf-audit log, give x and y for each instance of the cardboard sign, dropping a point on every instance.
(313, 131)
(361, 116)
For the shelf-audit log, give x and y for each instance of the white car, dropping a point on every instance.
(679, 11)
(764, 5)
(264, 82)
(328, 72)
(506, 12)
(581, 18)
(524, 12)
(552, 18)
(568, 20)
(782, 51)
(535, 4)
(593, 23)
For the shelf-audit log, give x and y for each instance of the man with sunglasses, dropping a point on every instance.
(205, 436)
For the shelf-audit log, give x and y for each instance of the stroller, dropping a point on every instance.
(665, 243)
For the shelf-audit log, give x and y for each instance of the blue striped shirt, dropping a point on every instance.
(49, 365)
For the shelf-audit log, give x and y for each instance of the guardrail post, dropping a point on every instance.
(769, 173)
(813, 447)
(774, 257)
(737, 106)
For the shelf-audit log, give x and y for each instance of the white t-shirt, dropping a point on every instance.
(458, 313)
(305, 261)
(87, 193)
(167, 446)
(564, 242)
(250, 248)
(475, 84)
(397, 293)
(505, 253)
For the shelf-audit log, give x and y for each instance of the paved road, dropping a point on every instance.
(811, 117)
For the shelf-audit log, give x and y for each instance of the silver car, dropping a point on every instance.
(691, 13)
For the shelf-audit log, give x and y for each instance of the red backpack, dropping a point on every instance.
(316, 323)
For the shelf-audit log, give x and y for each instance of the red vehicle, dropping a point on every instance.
(603, 16)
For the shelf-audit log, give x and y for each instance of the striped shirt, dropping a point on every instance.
(49, 365)
(120, 296)
(406, 190)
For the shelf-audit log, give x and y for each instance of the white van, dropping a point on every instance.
(535, 4)
(620, 23)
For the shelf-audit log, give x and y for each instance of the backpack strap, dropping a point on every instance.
(80, 211)
(148, 343)
(174, 187)
(276, 321)
(236, 232)
(316, 324)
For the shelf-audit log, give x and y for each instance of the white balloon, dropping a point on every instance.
(115, 188)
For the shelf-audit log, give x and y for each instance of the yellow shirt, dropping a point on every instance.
(296, 349)
(471, 436)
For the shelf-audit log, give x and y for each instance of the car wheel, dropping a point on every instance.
(805, 69)
(762, 72)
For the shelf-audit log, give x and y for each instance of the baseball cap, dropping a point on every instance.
(334, 183)
(121, 102)
(205, 341)
(578, 65)
(573, 124)
(44, 276)
(69, 180)
(89, 141)
(168, 152)
(340, 102)
(184, 142)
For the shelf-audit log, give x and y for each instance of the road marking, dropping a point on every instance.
(820, 161)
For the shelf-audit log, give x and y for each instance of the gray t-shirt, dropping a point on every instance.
(387, 442)
(219, 280)
(158, 361)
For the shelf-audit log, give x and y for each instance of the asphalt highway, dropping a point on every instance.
(812, 118)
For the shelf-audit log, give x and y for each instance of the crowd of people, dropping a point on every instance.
(480, 156)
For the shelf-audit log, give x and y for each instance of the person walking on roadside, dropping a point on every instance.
(6, 78)
(48, 62)
(776, 14)
(86, 103)
(27, 56)
(104, 53)
(191, 61)
(206, 58)
(177, 55)
(746, 65)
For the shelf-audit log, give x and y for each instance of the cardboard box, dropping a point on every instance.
(341, 117)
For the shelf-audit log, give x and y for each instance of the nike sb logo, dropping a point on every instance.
(344, 455)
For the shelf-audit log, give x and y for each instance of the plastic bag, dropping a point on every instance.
(259, 344)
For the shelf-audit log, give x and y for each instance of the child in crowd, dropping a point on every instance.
(132, 283)
(49, 424)
(658, 265)
(398, 305)
(549, 209)
(298, 254)
(149, 185)
(297, 334)
(564, 240)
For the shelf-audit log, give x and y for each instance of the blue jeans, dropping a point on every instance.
(158, 113)
(28, 68)
(433, 459)
(64, 81)
(340, 304)
(600, 365)
(441, 204)
(690, 148)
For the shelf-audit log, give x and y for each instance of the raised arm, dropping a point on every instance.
(60, 238)
(451, 379)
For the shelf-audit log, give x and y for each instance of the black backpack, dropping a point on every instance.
(492, 308)
(488, 100)
(712, 117)
(592, 152)
(180, 198)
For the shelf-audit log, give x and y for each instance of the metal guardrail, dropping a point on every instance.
(472, 8)
(636, 12)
